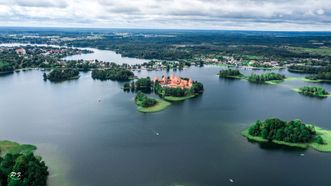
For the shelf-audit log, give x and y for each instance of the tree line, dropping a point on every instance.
(292, 131)
(262, 78)
(115, 72)
(308, 69)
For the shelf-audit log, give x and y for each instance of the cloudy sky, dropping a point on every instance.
(188, 14)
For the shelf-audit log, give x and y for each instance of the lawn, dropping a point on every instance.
(175, 99)
(14, 148)
(159, 106)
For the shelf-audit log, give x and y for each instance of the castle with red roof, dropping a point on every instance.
(174, 82)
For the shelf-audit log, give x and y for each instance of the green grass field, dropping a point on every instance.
(274, 82)
(302, 79)
(326, 135)
(176, 99)
(15, 148)
(160, 105)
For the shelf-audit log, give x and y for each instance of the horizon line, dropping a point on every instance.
(187, 29)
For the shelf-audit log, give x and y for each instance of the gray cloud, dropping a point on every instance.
(214, 14)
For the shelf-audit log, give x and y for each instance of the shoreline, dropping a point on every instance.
(179, 99)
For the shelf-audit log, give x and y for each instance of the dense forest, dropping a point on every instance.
(22, 170)
(262, 78)
(115, 72)
(309, 69)
(293, 131)
(60, 74)
(313, 91)
(322, 76)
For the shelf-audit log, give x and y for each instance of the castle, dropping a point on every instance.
(174, 82)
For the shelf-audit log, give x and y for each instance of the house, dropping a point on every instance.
(20, 51)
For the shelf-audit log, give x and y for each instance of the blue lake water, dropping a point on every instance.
(86, 142)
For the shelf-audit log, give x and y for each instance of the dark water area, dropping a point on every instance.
(87, 142)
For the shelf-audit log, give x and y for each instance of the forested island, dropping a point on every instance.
(230, 74)
(293, 133)
(313, 91)
(172, 89)
(176, 88)
(61, 74)
(114, 72)
(20, 167)
(272, 78)
(147, 104)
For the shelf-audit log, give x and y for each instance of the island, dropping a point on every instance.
(175, 88)
(321, 77)
(230, 74)
(61, 74)
(19, 166)
(313, 91)
(148, 105)
(114, 72)
(293, 133)
(169, 89)
(270, 78)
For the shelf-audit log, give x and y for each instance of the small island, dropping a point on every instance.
(270, 78)
(60, 74)
(169, 89)
(230, 74)
(148, 105)
(115, 73)
(175, 88)
(292, 133)
(19, 166)
(313, 91)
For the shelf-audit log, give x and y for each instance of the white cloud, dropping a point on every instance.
(198, 14)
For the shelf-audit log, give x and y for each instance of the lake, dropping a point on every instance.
(106, 55)
(100, 55)
(86, 142)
